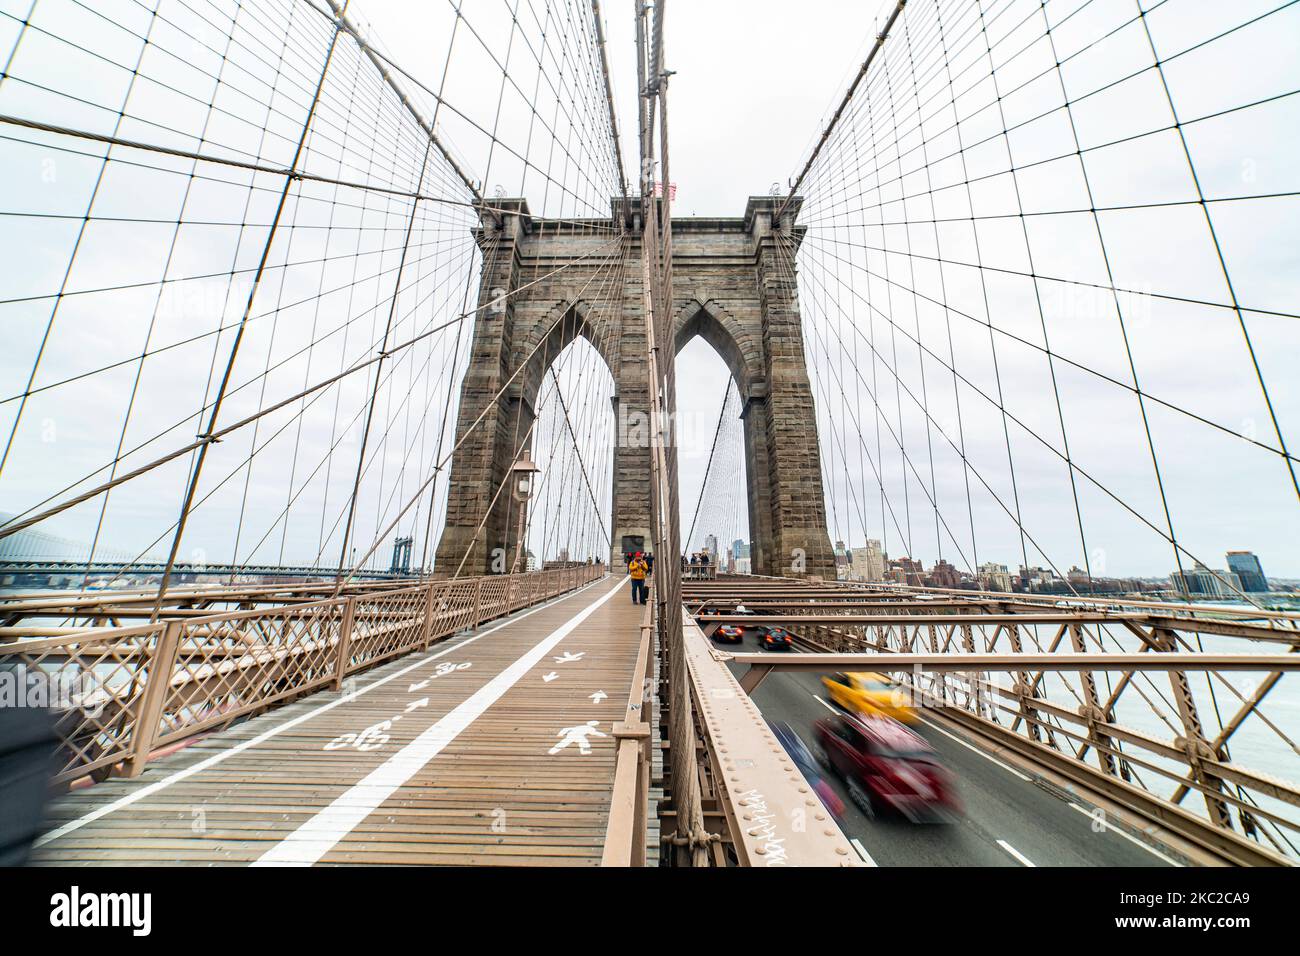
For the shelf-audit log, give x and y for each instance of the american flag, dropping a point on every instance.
(672, 190)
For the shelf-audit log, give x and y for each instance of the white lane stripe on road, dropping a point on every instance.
(989, 757)
(1024, 860)
(822, 701)
(206, 763)
(862, 852)
(318, 836)
(1111, 828)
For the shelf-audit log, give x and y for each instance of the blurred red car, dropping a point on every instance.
(887, 767)
(807, 765)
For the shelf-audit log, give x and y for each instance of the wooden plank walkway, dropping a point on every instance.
(491, 748)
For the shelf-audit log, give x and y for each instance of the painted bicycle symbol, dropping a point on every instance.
(371, 738)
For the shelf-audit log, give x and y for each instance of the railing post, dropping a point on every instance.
(1193, 742)
(625, 832)
(345, 642)
(157, 682)
(1025, 694)
(478, 603)
(427, 637)
(1091, 710)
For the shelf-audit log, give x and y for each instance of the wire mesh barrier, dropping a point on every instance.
(1042, 324)
(121, 692)
(242, 244)
(1133, 728)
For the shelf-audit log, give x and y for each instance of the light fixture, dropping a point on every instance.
(521, 477)
(521, 473)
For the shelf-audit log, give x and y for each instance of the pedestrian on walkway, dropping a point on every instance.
(637, 569)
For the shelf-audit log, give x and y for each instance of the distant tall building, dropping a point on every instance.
(740, 549)
(906, 571)
(1036, 579)
(843, 562)
(944, 575)
(711, 546)
(1247, 568)
(994, 577)
(868, 563)
(1201, 581)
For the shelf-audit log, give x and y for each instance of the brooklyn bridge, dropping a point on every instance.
(356, 371)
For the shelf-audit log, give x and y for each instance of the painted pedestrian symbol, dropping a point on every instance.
(577, 735)
(569, 657)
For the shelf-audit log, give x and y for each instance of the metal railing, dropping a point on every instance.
(699, 572)
(122, 692)
(625, 834)
(772, 816)
(1137, 704)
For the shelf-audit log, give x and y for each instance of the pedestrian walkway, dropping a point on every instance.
(498, 747)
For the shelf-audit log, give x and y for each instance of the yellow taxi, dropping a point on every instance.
(866, 692)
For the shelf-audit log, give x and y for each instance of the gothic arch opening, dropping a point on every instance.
(733, 291)
(712, 477)
(717, 370)
(573, 440)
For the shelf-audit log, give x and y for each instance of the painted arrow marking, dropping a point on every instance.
(550, 677)
(416, 704)
(597, 697)
(569, 657)
(420, 686)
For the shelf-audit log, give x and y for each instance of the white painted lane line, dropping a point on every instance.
(1111, 828)
(1007, 767)
(862, 852)
(1024, 860)
(821, 701)
(318, 836)
(148, 791)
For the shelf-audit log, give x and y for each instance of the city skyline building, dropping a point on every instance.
(1245, 565)
(1205, 582)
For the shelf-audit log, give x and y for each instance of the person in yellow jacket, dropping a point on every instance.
(638, 568)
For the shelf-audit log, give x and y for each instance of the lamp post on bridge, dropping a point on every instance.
(521, 474)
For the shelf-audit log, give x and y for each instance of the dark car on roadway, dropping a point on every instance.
(731, 633)
(774, 639)
(887, 768)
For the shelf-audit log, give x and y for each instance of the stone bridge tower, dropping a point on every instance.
(733, 284)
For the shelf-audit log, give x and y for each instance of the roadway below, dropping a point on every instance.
(1009, 820)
